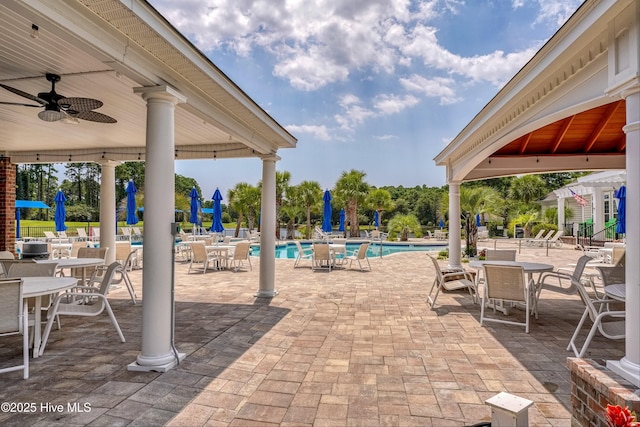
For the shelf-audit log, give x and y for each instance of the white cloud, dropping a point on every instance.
(437, 87)
(392, 104)
(318, 132)
(556, 12)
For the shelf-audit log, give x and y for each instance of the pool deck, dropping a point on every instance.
(345, 348)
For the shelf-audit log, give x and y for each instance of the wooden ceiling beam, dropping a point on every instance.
(608, 114)
(621, 145)
(523, 145)
(563, 131)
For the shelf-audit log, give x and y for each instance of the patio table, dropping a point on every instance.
(616, 291)
(82, 263)
(37, 287)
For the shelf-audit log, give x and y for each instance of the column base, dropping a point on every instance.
(159, 367)
(626, 369)
(266, 294)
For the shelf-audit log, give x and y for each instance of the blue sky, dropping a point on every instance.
(379, 86)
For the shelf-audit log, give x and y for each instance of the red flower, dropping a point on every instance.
(619, 417)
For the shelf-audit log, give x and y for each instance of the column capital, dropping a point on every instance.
(110, 163)
(161, 92)
(272, 157)
(625, 89)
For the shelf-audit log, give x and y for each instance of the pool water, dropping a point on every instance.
(289, 250)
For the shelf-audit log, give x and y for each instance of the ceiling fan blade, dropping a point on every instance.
(79, 104)
(24, 94)
(20, 104)
(93, 116)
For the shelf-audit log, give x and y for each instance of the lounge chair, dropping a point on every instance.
(82, 235)
(303, 253)
(318, 234)
(555, 242)
(505, 283)
(451, 279)
(542, 240)
(529, 242)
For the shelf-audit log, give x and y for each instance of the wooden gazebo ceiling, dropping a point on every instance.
(595, 131)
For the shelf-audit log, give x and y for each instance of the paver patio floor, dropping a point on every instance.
(345, 348)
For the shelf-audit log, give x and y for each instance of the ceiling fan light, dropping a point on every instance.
(51, 115)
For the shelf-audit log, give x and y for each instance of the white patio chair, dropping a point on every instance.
(610, 323)
(303, 254)
(506, 283)
(95, 234)
(14, 320)
(321, 258)
(542, 240)
(126, 233)
(529, 242)
(29, 268)
(84, 301)
(451, 279)
(359, 255)
(199, 255)
(240, 254)
(126, 261)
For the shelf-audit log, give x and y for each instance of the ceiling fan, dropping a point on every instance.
(59, 107)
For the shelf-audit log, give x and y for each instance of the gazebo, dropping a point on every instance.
(168, 101)
(574, 106)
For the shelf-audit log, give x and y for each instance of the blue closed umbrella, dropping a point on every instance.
(132, 215)
(478, 223)
(193, 207)
(341, 226)
(61, 212)
(376, 219)
(621, 195)
(326, 217)
(216, 224)
(441, 224)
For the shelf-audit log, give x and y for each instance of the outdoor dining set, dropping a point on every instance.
(39, 290)
(501, 284)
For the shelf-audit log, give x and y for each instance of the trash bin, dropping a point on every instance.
(35, 250)
(519, 233)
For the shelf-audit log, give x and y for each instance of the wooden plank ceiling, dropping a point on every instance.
(595, 131)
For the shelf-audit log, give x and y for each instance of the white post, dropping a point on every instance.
(455, 245)
(158, 353)
(108, 209)
(561, 218)
(268, 228)
(597, 207)
(629, 366)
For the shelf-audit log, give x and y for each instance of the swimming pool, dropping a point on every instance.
(289, 251)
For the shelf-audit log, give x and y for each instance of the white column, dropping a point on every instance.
(455, 245)
(158, 352)
(597, 209)
(629, 366)
(108, 209)
(268, 229)
(561, 218)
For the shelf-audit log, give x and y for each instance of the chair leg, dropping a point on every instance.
(127, 281)
(113, 319)
(572, 342)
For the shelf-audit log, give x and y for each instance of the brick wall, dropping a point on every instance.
(593, 387)
(7, 204)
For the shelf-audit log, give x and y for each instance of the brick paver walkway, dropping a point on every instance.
(345, 348)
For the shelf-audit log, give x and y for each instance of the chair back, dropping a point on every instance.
(298, 247)
(580, 266)
(612, 275)
(362, 251)
(198, 251)
(226, 240)
(7, 255)
(92, 252)
(122, 251)
(436, 267)
(618, 256)
(75, 247)
(49, 235)
(108, 277)
(81, 233)
(242, 251)
(11, 306)
(504, 282)
(500, 255)
(321, 252)
(31, 269)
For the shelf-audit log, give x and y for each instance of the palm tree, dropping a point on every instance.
(403, 225)
(292, 208)
(527, 220)
(474, 200)
(352, 190)
(379, 200)
(282, 183)
(242, 200)
(310, 193)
